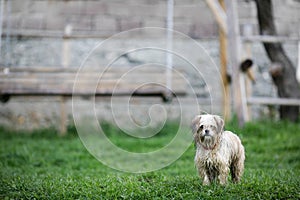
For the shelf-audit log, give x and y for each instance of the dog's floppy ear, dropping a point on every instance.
(195, 123)
(220, 123)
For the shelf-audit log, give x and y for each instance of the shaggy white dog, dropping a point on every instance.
(218, 152)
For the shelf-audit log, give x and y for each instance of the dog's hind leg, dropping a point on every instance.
(237, 169)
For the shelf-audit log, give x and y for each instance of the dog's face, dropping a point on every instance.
(207, 129)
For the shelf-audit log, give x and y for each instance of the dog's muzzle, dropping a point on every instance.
(206, 133)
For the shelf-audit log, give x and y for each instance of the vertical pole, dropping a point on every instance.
(66, 46)
(298, 67)
(248, 31)
(169, 56)
(63, 117)
(65, 63)
(234, 50)
(1, 22)
(223, 63)
(7, 35)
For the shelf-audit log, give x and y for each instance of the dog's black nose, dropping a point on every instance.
(206, 131)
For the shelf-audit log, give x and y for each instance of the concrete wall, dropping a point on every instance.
(31, 113)
(107, 17)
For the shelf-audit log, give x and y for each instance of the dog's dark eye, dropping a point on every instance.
(200, 128)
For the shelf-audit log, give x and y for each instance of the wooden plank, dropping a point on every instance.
(219, 14)
(234, 51)
(86, 78)
(226, 99)
(1, 22)
(66, 75)
(269, 38)
(44, 69)
(114, 74)
(34, 33)
(63, 117)
(84, 87)
(89, 34)
(91, 80)
(298, 67)
(60, 81)
(248, 31)
(125, 92)
(31, 81)
(88, 88)
(273, 101)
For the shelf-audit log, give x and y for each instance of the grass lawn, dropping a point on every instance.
(42, 165)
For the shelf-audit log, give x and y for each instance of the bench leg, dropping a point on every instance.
(63, 117)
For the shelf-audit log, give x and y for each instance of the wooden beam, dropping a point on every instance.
(273, 101)
(249, 79)
(219, 14)
(169, 56)
(226, 99)
(60, 81)
(73, 69)
(65, 62)
(298, 67)
(269, 38)
(234, 50)
(63, 117)
(1, 22)
(33, 33)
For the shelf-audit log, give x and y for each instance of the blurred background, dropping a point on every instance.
(40, 36)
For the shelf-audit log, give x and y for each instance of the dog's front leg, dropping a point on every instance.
(206, 180)
(223, 174)
(204, 176)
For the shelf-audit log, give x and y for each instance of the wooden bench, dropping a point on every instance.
(58, 81)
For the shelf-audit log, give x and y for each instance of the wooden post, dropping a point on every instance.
(298, 67)
(66, 46)
(169, 56)
(234, 51)
(219, 13)
(218, 9)
(248, 32)
(223, 62)
(65, 63)
(63, 117)
(1, 22)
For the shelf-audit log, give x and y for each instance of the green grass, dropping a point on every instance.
(41, 165)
